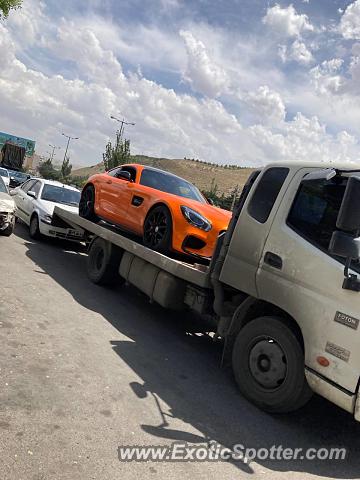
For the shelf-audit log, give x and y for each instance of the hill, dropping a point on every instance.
(202, 174)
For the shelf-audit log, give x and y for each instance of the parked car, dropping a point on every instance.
(4, 174)
(36, 200)
(17, 178)
(7, 210)
(168, 212)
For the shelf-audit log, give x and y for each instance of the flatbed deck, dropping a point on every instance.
(183, 270)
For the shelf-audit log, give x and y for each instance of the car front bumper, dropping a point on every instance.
(74, 235)
(6, 219)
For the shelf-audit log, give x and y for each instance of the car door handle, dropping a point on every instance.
(273, 260)
(109, 182)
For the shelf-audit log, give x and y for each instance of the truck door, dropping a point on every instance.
(252, 227)
(298, 274)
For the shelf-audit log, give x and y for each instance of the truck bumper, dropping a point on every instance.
(334, 393)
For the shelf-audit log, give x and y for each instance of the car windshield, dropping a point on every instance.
(170, 184)
(19, 175)
(4, 172)
(55, 194)
(3, 188)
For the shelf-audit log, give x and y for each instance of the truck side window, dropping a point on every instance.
(266, 193)
(315, 209)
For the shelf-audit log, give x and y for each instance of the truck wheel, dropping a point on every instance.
(34, 228)
(158, 229)
(87, 204)
(103, 262)
(268, 364)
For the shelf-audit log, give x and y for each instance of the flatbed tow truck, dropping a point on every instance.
(281, 288)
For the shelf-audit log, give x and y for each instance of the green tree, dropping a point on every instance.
(47, 170)
(117, 154)
(66, 169)
(7, 5)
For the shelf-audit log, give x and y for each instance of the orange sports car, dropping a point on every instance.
(169, 213)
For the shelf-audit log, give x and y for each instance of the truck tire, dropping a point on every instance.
(103, 262)
(268, 364)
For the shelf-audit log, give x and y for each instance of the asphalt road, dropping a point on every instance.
(84, 370)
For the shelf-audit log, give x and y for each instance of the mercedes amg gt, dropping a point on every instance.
(168, 212)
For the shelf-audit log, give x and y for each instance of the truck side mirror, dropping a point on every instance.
(349, 214)
(345, 242)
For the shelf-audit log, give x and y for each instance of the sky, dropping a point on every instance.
(243, 82)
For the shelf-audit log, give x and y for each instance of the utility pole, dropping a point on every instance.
(68, 143)
(122, 122)
(53, 151)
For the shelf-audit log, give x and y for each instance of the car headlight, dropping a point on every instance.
(47, 219)
(196, 219)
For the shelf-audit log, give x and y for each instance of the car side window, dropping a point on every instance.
(266, 193)
(36, 188)
(27, 185)
(315, 209)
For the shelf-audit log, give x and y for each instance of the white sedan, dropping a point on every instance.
(4, 174)
(35, 201)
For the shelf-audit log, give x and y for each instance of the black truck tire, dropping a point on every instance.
(268, 364)
(103, 262)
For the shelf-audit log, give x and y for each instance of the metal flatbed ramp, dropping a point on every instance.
(179, 269)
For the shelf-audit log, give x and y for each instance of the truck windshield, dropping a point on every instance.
(170, 184)
(53, 193)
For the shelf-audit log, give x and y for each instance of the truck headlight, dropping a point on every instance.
(196, 219)
(47, 219)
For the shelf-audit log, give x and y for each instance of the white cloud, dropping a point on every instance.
(286, 21)
(95, 54)
(297, 52)
(306, 139)
(203, 74)
(350, 22)
(267, 105)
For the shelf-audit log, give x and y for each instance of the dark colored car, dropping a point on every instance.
(17, 178)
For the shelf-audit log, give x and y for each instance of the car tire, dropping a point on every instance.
(9, 230)
(87, 204)
(103, 262)
(268, 364)
(157, 234)
(34, 228)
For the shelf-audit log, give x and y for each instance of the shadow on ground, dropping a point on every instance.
(179, 366)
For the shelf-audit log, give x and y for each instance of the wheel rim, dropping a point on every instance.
(86, 202)
(34, 226)
(155, 228)
(97, 258)
(268, 363)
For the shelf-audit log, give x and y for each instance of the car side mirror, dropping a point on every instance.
(32, 194)
(124, 176)
(345, 242)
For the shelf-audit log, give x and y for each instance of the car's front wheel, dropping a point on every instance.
(34, 229)
(8, 230)
(158, 229)
(87, 204)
